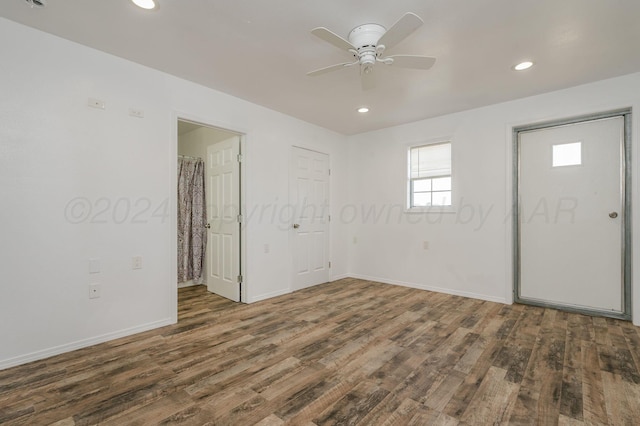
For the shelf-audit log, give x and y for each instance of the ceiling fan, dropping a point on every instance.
(368, 43)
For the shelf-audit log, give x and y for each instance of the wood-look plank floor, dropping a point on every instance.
(345, 353)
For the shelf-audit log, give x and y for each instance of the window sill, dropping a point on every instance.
(433, 209)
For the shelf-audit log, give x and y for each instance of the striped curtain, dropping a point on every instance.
(192, 217)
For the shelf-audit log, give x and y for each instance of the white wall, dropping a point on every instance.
(470, 250)
(195, 142)
(63, 163)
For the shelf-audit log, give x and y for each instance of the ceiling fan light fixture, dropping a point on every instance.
(363, 110)
(525, 65)
(145, 4)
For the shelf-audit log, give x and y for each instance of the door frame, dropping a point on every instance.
(625, 194)
(173, 202)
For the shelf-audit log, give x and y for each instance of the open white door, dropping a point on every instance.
(309, 195)
(223, 198)
(572, 215)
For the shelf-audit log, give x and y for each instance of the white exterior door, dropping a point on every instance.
(223, 208)
(571, 216)
(309, 195)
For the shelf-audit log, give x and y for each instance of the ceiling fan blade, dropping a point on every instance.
(333, 38)
(368, 80)
(412, 61)
(400, 30)
(329, 69)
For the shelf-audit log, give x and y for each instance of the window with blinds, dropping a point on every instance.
(430, 175)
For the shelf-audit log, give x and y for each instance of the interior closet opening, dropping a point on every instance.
(209, 228)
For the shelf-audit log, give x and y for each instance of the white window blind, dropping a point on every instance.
(430, 175)
(431, 160)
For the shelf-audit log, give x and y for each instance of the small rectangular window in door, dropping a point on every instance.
(567, 154)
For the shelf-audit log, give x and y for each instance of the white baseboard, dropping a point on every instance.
(287, 291)
(266, 296)
(392, 282)
(432, 288)
(339, 277)
(57, 350)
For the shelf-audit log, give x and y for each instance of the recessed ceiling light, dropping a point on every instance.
(523, 66)
(145, 4)
(362, 110)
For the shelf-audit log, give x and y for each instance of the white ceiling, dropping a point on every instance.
(260, 50)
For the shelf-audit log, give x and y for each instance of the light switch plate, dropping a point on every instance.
(94, 265)
(136, 262)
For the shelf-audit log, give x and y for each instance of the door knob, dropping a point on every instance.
(613, 215)
(208, 225)
(296, 225)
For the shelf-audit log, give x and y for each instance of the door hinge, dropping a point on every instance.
(329, 264)
(329, 218)
(239, 158)
(240, 218)
(239, 278)
(329, 172)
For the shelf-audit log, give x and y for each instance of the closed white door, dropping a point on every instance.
(571, 216)
(309, 195)
(223, 208)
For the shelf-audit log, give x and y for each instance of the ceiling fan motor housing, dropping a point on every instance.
(365, 38)
(366, 35)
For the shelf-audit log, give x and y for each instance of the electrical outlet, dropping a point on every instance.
(134, 112)
(355, 240)
(94, 291)
(266, 248)
(136, 262)
(425, 245)
(96, 103)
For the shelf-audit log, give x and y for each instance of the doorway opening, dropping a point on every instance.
(572, 217)
(209, 239)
